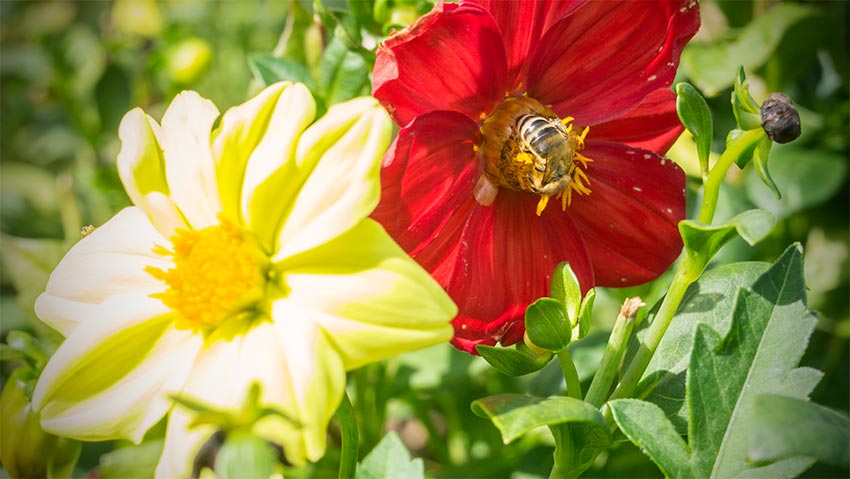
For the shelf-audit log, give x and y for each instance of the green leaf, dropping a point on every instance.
(547, 325)
(343, 74)
(696, 117)
(788, 427)
(390, 459)
(712, 66)
(806, 178)
(245, 455)
(516, 414)
(702, 242)
(113, 95)
(710, 300)
(645, 425)
(770, 328)
(268, 69)
(517, 361)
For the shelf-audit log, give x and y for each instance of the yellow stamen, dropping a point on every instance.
(541, 205)
(525, 158)
(218, 272)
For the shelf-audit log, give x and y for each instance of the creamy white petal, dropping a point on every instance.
(240, 130)
(164, 214)
(140, 162)
(369, 296)
(316, 382)
(110, 378)
(342, 189)
(294, 110)
(181, 445)
(189, 165)
(110, 261)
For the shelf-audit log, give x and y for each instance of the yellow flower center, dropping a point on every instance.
(527, 147)
(219, 272)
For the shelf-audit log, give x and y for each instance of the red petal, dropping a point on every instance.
(428, 171)
(495, 260)
(522, 24)
(629, 221)
(601, 61)
(653, 125)
(450, 59)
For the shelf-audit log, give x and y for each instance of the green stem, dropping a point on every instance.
(747, 140)
(350, 440)
(614, 351)
(685, 275)
(570, 374)
(562, 468)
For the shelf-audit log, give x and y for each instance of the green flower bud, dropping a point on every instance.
(780, 119)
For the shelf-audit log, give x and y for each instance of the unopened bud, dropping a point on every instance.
(780, 119)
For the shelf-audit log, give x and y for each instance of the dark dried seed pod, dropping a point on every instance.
(780, 119)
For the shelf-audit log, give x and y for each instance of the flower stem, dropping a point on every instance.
(614, 351)
(570, 374)
(683, 278)
(746, 141)
(350, 440)
(563, 453)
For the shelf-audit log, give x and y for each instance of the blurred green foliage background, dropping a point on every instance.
(69, 71)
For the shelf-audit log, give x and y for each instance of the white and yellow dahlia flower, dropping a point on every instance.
(248, 256)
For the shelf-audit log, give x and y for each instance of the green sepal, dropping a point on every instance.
(585, 314)
(760, 155)
(695, 115)
(245, 455)
(702, 241)
(547, 325)
(517, 361)
(516, 414)
(745, 108)
(745, 153)
(566, 289)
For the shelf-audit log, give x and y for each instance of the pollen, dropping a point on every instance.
(219, 272)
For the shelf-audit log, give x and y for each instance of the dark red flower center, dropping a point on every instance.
(527, 147)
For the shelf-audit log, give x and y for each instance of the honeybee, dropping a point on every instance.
(527, 147)
(552, 149)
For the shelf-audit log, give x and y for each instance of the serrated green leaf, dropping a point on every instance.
(770, 329)
(805, 177)
(768, 334)
(268, 69)
(696, 117)
(786, 427)
(712, 66)
(710, 300)
(645, 425)
(517, 361)
(547, 325)
(516, 414)
(390, 459)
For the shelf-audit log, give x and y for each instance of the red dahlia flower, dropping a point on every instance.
(506, 104)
